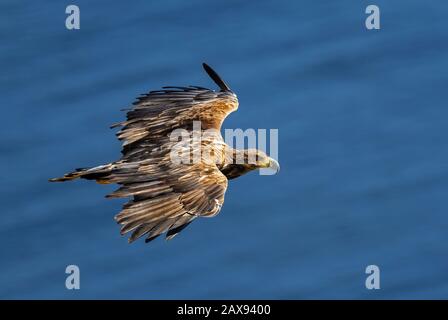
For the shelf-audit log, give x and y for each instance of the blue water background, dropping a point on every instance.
(362, 118)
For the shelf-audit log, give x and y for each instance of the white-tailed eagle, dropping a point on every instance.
(166, 195)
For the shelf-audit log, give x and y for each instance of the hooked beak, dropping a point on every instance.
(274, 165)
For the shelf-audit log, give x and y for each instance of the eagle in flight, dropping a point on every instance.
(166, 194)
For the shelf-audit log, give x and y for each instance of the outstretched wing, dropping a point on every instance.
(159, 112)
(167, 196)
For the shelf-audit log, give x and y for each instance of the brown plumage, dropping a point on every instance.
(166, 196)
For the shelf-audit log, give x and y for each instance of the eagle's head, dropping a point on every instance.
(262, 161)
(248, 160)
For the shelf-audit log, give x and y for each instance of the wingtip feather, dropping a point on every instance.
(215, 77)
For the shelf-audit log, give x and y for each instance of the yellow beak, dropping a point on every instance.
(274, 165)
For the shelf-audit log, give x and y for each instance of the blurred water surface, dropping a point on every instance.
(362, 119)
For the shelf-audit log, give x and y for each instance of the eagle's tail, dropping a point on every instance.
(98, 173)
